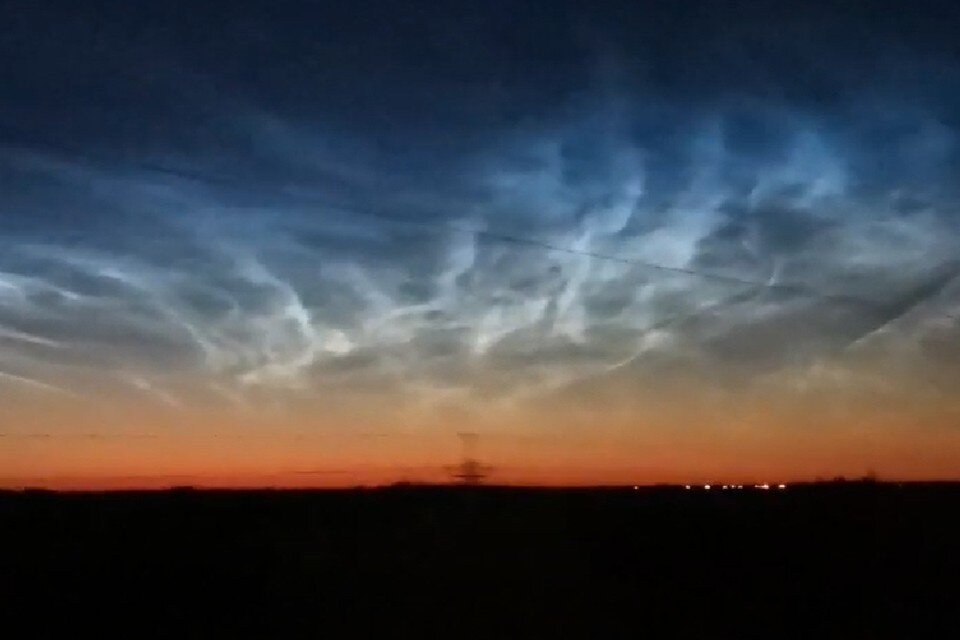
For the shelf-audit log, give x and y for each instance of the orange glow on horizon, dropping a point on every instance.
(663, 436)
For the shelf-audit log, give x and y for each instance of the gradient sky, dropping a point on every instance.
(306, 243)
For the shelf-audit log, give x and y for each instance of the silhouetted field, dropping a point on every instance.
(845, 560)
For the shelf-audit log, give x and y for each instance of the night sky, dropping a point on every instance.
(306, 243)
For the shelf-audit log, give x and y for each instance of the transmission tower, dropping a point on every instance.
(470, 471)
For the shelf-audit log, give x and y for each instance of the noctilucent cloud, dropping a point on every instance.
(309, 242)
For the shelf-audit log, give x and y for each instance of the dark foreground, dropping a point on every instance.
(851, 561)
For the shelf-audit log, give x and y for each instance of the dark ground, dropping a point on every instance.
(851, 560)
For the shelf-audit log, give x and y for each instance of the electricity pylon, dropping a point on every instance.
(470, 471)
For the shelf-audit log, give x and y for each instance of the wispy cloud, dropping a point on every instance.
(483, 248)
(36, 384)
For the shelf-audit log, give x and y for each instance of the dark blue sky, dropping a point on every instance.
(218, 201)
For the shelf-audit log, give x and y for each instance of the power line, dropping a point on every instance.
(796, 289)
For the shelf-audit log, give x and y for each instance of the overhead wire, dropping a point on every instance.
(790, 288)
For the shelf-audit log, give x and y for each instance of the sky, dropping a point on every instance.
(307, 243)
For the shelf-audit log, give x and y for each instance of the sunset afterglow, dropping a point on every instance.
(617, 257)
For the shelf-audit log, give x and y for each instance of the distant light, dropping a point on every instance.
(765, 486)
(687, 487)
(707, 487)
(781, 486)
(725, 487)
(635, 487)
(739, 486)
